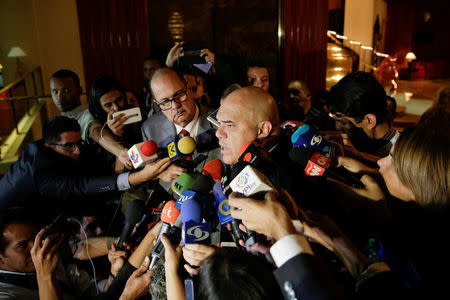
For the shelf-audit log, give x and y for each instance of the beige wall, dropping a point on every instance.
(59, 40)
(17, 29)
(47, 30)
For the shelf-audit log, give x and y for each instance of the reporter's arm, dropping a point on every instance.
(174, 284)
(98, 246)
(145, 247)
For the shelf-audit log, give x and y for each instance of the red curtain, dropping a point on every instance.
(114, 40)
(304, 43)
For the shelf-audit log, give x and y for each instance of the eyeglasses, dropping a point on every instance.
(70, 146)
(179, 97)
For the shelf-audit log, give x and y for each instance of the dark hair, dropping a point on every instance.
(13, 215)
(54, 127)
(101, 86)
(227, 274)
(359, 94)
(63, 73)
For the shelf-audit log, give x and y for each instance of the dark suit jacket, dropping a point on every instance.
(305, 277)
(44, 180)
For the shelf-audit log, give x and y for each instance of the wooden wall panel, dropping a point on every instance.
(114, 40)
(304, 43)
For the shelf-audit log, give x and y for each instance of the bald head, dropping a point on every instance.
(247, 114)
(259, 104)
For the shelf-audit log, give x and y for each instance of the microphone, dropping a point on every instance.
(133, 215)
(169, 216)
(214, 169)
(193, 230)
(308, 137)
(174, 237)
(317, 164)
(144, 152)
(253, 154)
(184, 181)
(250, 182)
(182, 147)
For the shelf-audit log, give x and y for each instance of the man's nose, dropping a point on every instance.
(259, 83)
(175, 105)
(219, 132)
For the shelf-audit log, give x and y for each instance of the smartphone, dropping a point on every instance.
(213, 118)
(133, 113)
(192, 52)
(59, 225)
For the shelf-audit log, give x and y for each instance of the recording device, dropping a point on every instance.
(213, 118)
(169, 215)
(133, 216)
(133, 114)
(184, 181)
(179, 148)
(194, 231)
(173, 235)
(59, 225)
(308, 137)
(214, 169)
(192, 52)
(317, 164)
(144, 152)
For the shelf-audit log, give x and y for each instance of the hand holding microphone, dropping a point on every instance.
(267, 216)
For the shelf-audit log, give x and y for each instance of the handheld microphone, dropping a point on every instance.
(254, 155)
(193, 230)
(184, 181)
(169, 216)
(174, 237)
(308, 137)
(317, 164)
(178, 148)
(214, 169)
(250, 182)
(144, 152)
(133, 215)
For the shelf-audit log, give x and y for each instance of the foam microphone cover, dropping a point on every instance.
(214, 168)
(148, 148)
(184, 181)
(191, 210)
(203, 184)
(186, 145)
(169, 213)
(301, 155)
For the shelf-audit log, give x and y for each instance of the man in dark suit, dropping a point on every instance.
(50, 175)
(179, 113)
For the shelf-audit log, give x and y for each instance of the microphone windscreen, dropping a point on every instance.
(149, 148)
(191, 210)
(202, 184)
(214, 168)
(184, 181)
(169, 213)
(301, 155)
(134, 211)
(186, 145)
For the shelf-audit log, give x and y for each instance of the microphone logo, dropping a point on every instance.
(241, 180)
(198, 233)
(317, 139)
(172, 150)
(224, 207)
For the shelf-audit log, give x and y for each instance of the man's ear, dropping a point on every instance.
(371, 120)
(264, 129)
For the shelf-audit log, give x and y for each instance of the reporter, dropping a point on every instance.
(299, 272)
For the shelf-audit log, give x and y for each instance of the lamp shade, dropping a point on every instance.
(16, 52)
(410, 56)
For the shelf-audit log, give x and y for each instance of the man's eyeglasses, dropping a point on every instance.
(179, 97)
(70, 146)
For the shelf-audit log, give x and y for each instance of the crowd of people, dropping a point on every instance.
(315, 197)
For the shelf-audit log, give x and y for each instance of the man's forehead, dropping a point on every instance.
(61, 82)
(166, 85)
